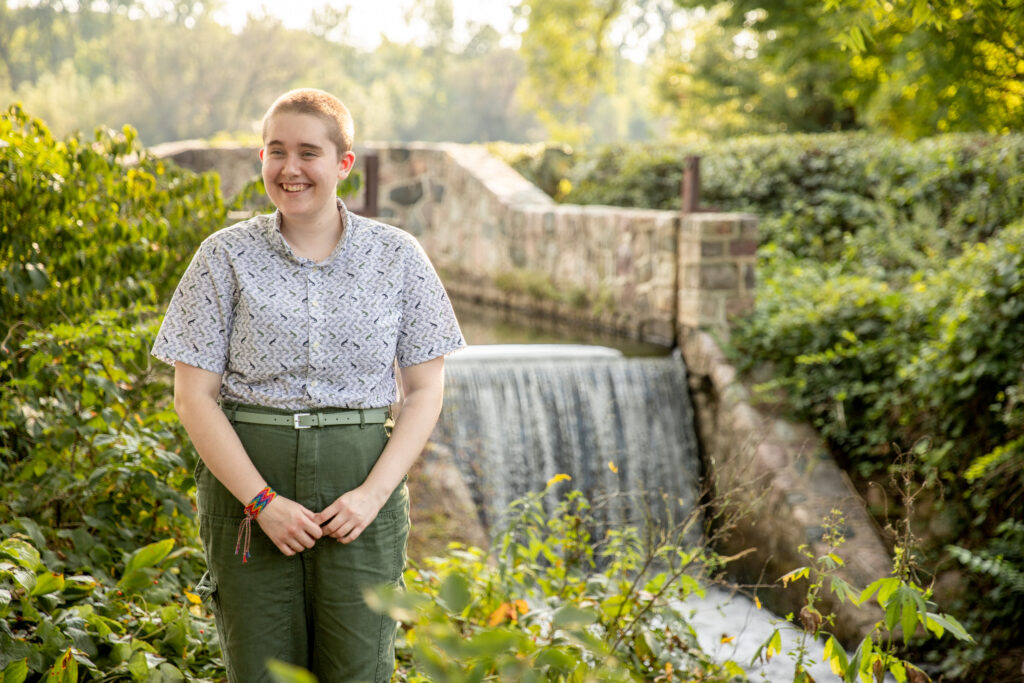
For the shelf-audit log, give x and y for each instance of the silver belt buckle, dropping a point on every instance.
(295, 421)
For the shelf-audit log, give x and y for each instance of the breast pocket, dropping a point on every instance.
(378, 337)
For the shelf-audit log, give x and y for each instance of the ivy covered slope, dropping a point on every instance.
(96, 522)
(890, 313)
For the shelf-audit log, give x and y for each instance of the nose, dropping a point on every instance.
(291, 165)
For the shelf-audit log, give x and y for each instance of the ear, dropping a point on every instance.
(345, 164)
(261, 153)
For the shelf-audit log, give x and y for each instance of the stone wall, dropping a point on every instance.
(499, 239)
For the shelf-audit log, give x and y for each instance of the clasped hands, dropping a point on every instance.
(293, 527)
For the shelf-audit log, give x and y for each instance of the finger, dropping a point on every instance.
(332, 526)
(328, 513)
(312, 529)
(352, 535)
(342, 529)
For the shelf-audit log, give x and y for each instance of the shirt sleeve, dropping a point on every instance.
(197, 326)
(428, 328)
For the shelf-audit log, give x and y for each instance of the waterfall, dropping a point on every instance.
(618, 426)
(516, 416)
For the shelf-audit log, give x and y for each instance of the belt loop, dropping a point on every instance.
(234, 410)
(362, 419)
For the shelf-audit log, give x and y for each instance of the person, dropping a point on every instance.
(284, 332)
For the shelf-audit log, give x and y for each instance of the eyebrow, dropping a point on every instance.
(302, 145)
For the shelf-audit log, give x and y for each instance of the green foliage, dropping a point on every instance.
(938, 66)
(91, 626)
(553, 603)
(811, 192)
(91, 224)
(98, 546)
(908, 67)
(904, 604)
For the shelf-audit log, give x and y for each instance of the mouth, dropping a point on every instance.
(294, 187)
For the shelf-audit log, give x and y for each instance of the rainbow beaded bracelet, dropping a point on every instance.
(252, 511)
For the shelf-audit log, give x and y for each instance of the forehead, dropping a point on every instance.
(291, 128)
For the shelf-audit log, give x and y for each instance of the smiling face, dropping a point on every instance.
(302, 168)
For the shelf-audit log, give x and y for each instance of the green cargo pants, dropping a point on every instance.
(307, 609)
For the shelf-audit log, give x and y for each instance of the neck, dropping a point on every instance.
(314, 238)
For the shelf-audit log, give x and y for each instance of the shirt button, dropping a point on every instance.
(313, 383)
(314, 304)
(316, 345)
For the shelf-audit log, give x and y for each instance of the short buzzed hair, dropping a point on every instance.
(320, 104)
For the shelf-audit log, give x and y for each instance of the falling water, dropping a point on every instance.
(617, 426)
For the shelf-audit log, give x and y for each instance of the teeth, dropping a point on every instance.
(292, 188)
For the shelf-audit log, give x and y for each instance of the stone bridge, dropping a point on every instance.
(659, 276)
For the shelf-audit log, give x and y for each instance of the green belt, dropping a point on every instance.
(330, 418)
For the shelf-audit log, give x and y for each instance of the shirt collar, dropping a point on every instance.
(281, 246)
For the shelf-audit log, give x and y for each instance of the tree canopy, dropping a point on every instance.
(573, 71)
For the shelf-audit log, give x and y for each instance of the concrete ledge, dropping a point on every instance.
(776, 483)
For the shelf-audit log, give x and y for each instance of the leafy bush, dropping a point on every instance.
(95, 471)
(91, 225)
(811, 192)
(144, 626)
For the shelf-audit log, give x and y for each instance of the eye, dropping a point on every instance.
(276, 153)
(308, 155)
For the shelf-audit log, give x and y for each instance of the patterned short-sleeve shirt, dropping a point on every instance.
(288, 332)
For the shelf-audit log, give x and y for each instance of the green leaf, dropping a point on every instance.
(22, 553)
(170, 673)
(64, 670)
(47, 583)
(937, 622)
(734, 669)
(892, 615)
(553, 658)
(15, 672)
(570, 616)
(909, 618)
(455, 593)
(495, 641)
(843, 590)
(836, 656)
(149, 556)
(282, 672)
(136, 580)
(33, 531)
(885, 587)
(138, 667)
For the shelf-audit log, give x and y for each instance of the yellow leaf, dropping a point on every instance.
(561, 476)
(727, 639)
(612, 467)
(757, 602)
(522, 606)
(193, 598)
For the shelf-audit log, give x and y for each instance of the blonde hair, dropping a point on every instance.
(320, 104)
